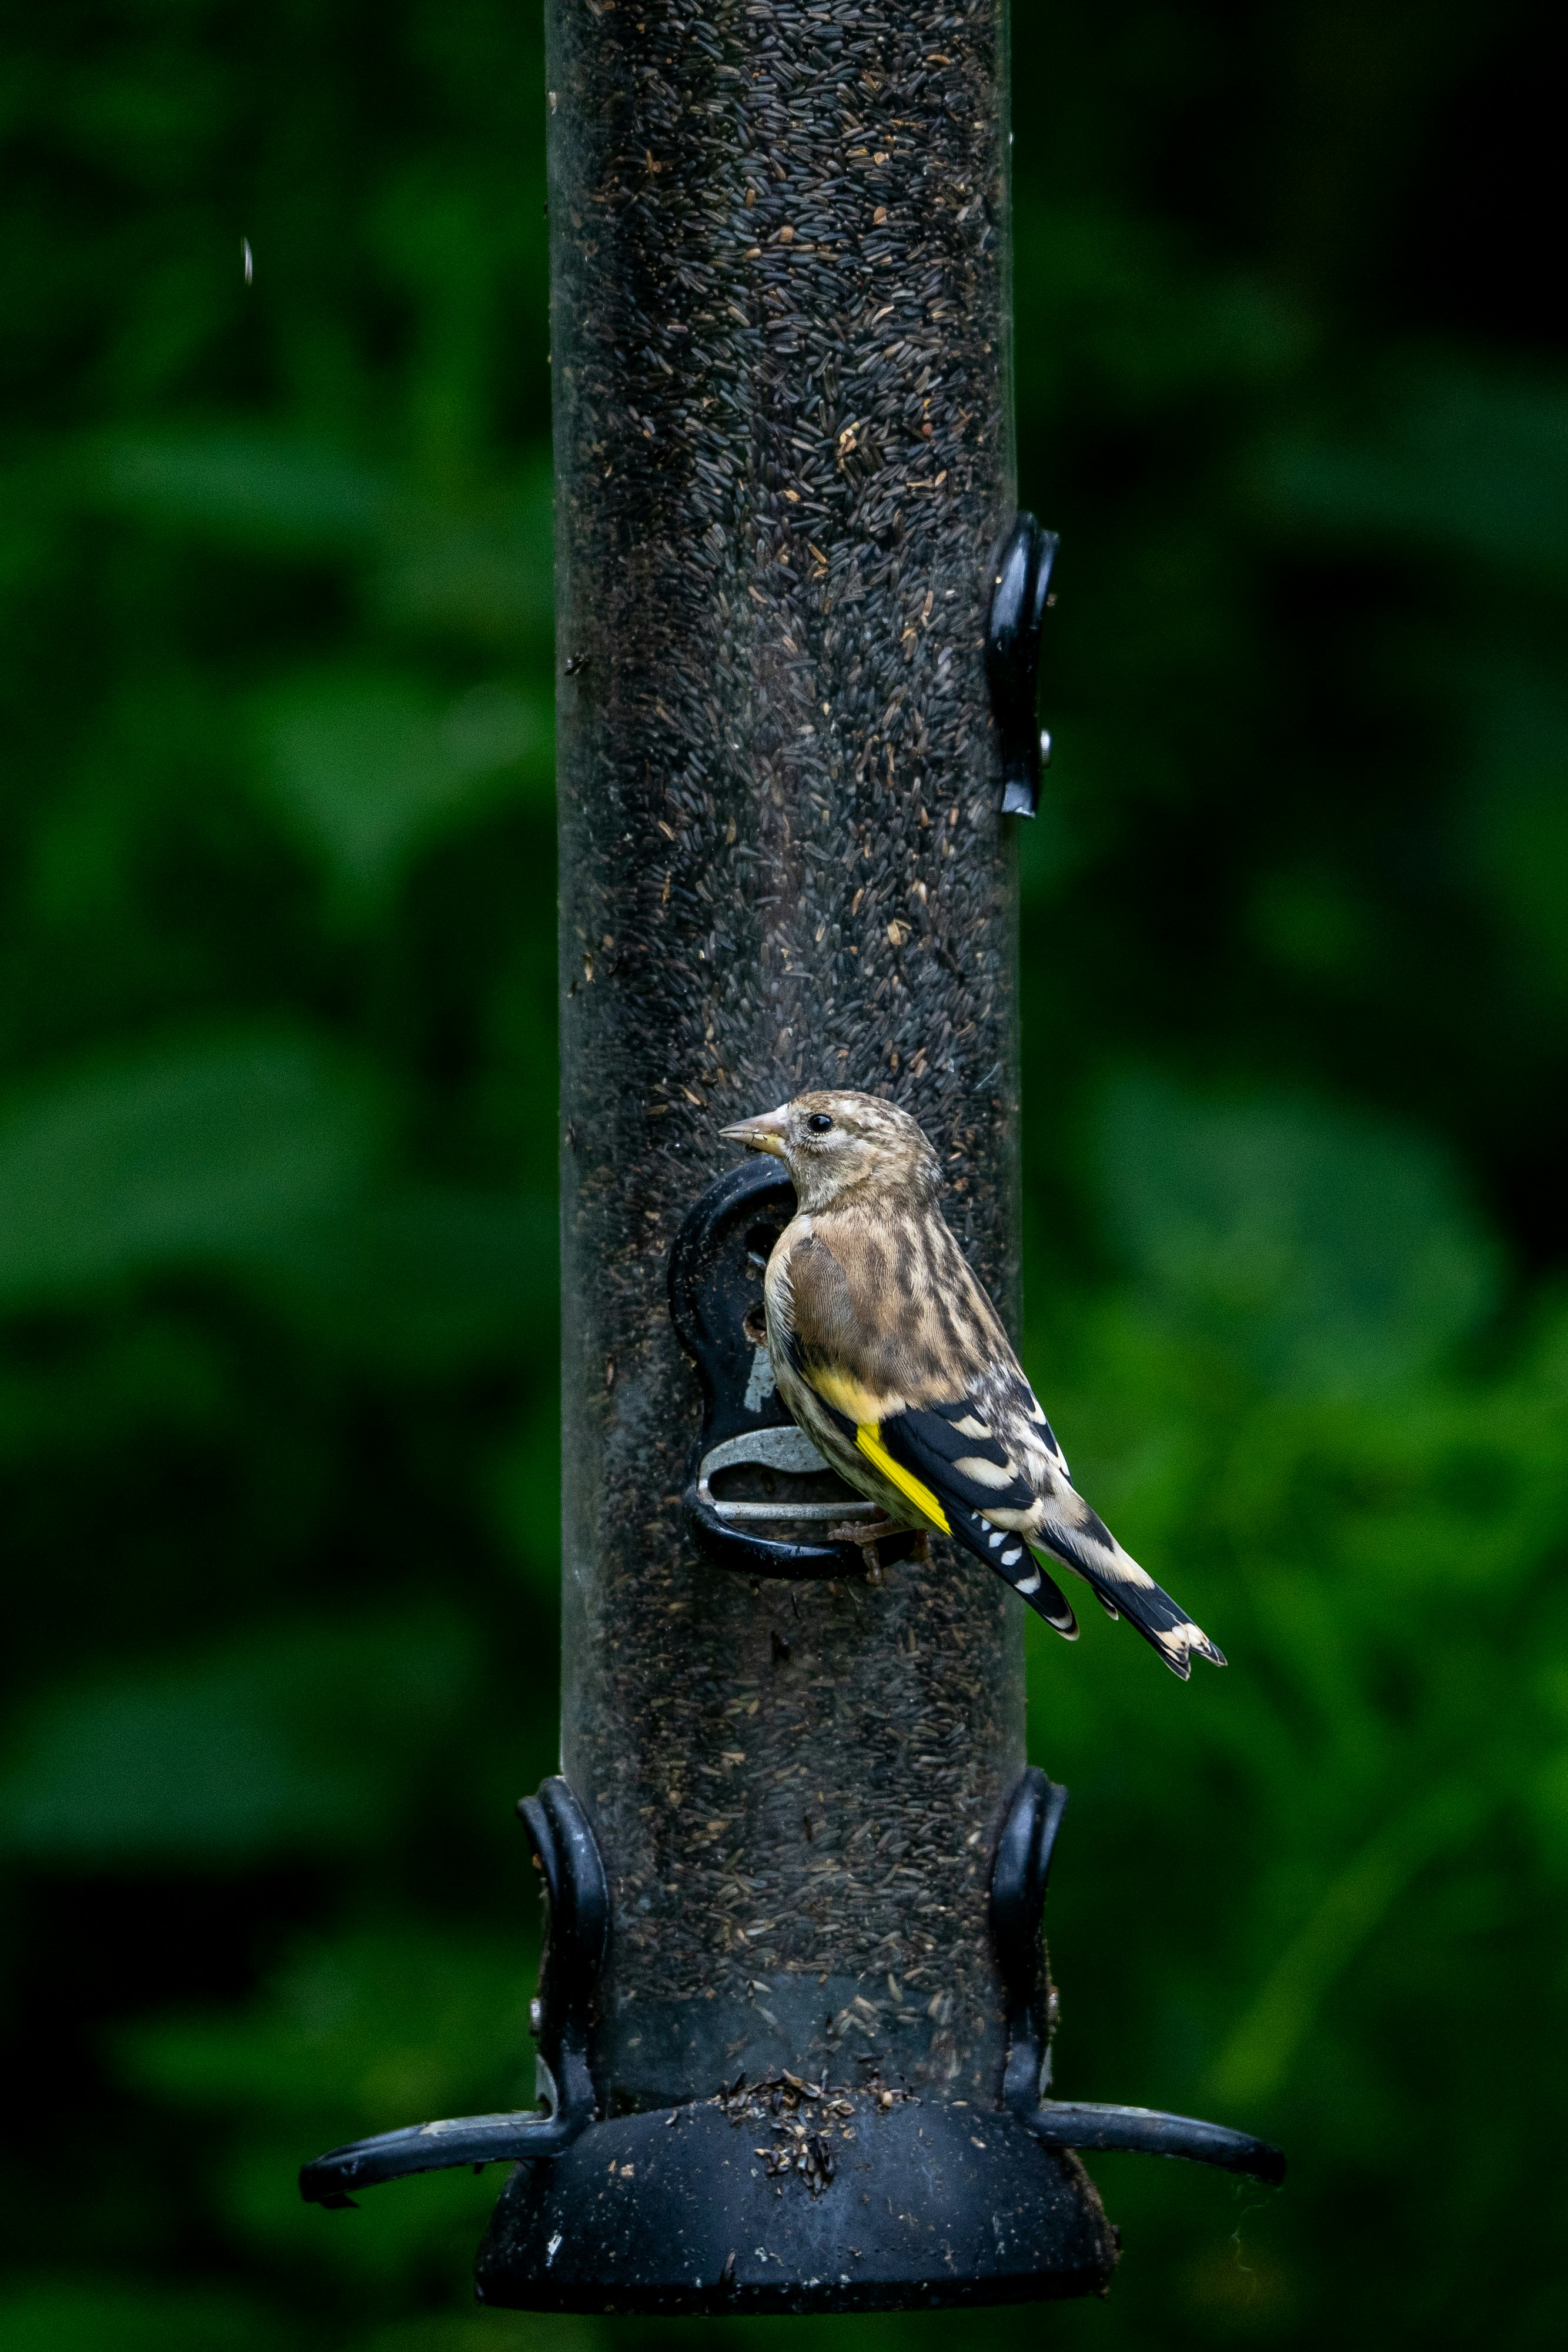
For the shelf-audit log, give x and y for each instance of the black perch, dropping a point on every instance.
(1020, 591)
(795, 2010)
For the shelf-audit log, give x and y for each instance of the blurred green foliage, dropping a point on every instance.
(278, 1460)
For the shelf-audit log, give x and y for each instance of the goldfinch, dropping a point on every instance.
(893, 1359)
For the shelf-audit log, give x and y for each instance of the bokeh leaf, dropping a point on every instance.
(255, 488)
(113, 2315)
(1514, 828)
(1337, 1252)
(372, 2028)
(1269, 2038)
(478, 574)
(188, 1152)
(355, 2035)
(368, 770)
(302, 1740)
(1450, 459)
(423, 1280)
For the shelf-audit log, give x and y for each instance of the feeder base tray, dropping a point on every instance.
(677, 2212)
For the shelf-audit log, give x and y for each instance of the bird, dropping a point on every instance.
(889, 1354)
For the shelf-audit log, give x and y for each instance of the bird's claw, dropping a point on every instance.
(865, 1535)
(864, 1532)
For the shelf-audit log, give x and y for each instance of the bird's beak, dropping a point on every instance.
(764, 1133)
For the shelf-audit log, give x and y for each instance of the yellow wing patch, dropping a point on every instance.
(868, 1437)
(846, 1395)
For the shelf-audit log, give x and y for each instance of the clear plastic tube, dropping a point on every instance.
(780, 297)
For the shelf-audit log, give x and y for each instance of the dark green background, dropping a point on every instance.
(277, 1139)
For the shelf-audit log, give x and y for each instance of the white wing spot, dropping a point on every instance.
(994, 1475)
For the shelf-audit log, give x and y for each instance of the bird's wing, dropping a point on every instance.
(982, 1454)
(957, 1429)
(965, 1485)
(858, 1368)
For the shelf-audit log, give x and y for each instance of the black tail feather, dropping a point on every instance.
(1163, 1623)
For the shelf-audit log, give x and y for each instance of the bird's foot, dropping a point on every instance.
(865, 1535)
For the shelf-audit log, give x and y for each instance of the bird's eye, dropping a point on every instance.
(819, 1122)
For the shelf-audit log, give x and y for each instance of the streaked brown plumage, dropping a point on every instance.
(890, 1357)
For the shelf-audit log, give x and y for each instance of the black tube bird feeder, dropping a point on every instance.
(795, 2012)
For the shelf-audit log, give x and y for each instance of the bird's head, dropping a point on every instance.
(835, 1144)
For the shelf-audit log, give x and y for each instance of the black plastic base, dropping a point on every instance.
(678, 2211)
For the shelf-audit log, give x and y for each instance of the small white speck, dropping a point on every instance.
(552, 2250)
(247, 259)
